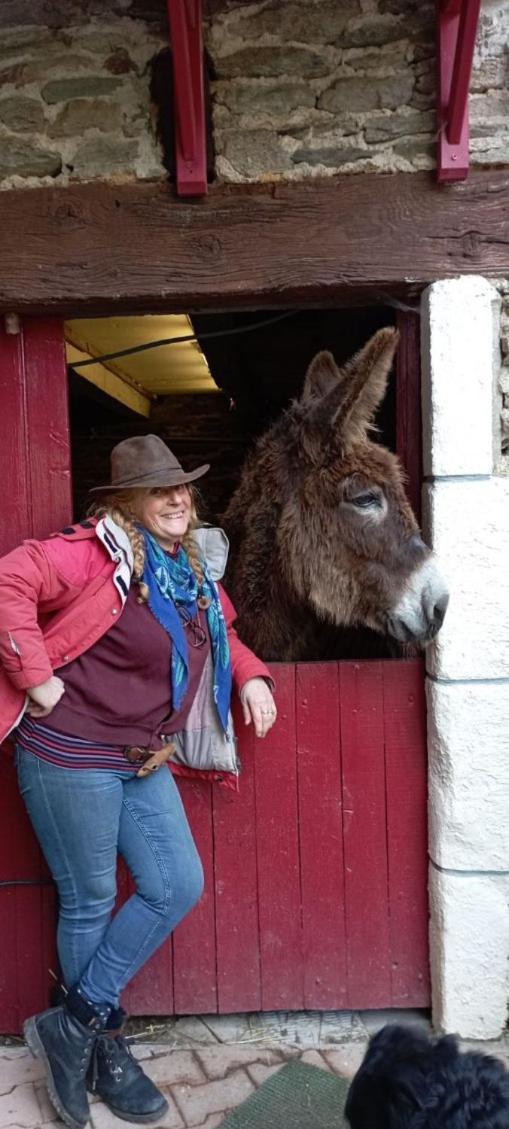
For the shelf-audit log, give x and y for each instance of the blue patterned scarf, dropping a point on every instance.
(172, 583)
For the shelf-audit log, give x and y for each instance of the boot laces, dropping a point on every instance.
(112, 1051)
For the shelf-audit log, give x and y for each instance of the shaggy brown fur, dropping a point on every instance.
(322, 535)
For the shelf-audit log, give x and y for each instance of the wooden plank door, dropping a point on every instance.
(36, 499)
(316, 868)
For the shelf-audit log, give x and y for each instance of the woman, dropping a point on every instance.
(108, 632)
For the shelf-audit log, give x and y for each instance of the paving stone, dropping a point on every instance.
(346, 1062)
(217, 1062)
(259, 1073)
(20, 1107)
(17, 1067)
(197, 1102)
(177, 1066)
(142, 1051)
(211, 1122)
(315, 1058)
(48, 1111)
(103, 1118)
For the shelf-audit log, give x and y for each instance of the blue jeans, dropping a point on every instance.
(82, 818)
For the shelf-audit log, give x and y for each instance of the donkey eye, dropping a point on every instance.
(364, 501)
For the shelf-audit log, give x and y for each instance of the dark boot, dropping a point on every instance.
(118, 1079)
(64, 1037)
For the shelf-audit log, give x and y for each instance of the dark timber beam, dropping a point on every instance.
(97, 248)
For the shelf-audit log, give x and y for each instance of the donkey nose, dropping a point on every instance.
(438, 613)
(440, 609)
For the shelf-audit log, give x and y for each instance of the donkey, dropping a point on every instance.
(322, 535)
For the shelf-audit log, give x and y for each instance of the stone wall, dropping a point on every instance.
(301, 88)
(314, 87)
(74, 92)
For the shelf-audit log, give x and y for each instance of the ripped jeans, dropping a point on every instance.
(82, 819)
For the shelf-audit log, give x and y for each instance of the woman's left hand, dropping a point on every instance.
(258, 705)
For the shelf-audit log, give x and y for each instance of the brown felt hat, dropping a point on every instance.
(146, 461)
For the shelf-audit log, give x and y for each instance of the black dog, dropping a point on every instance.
(408, 1081)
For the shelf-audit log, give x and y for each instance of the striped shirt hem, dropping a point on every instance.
(66, 751)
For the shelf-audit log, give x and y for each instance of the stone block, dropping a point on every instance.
(460, 319)
(387, 127)
(495, 153)
(22, 115)
(356, 95)
(86, 113)
(468, 744)
(413, 147)
(263, 97)
(23, 158)
(104, 156)
(467, 522)
(255, 61)
(315, 22)
(332, 157)
(373, 30)
(469, 937)
(89, 86)
(259, 153)
(491, 108)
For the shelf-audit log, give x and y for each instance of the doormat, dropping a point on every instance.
(297, 1097)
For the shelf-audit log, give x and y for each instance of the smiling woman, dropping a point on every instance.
(148, 637)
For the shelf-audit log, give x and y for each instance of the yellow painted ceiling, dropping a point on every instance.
(167, 370)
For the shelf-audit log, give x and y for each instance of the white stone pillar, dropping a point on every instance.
(467, 521)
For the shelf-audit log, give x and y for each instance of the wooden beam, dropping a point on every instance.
(109, 383)
(96, 248)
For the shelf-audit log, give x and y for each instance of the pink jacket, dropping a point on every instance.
(59, 596)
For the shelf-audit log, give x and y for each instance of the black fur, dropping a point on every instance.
(409, 1081)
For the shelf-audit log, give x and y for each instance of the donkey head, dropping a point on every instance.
(347, 534)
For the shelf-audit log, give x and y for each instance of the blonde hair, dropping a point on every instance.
(119, 506)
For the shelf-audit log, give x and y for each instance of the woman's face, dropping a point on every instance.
(166, 512)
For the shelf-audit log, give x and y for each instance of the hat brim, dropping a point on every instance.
(156, 478)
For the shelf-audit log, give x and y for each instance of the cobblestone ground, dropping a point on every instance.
(208, 1065)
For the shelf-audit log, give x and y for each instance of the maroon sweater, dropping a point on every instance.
(119, 691)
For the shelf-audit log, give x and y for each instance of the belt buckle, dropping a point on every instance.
(136, 754)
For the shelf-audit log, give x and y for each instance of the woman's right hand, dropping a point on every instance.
(44, 698)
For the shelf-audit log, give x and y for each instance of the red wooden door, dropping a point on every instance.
(36, 499)
(315, 871)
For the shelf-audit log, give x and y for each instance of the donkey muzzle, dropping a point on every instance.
(420, 611)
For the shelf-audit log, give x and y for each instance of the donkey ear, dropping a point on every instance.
(365, 382)
(322, 376)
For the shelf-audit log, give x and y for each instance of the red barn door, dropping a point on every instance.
(36, 499)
